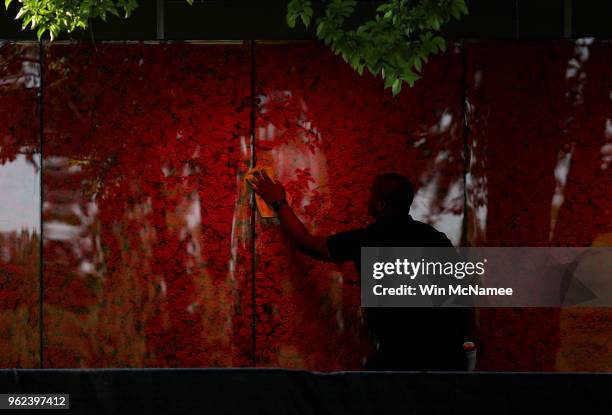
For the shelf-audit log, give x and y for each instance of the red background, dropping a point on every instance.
(19, 245)
(148, 252)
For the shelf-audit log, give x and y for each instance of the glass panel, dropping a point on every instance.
(146, 215)
(19, 205)
(581, 213)
(326, 132)
(538, 177)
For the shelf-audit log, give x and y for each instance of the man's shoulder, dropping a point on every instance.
(430, 234)
(424, 226)
(352, 232)
(355, 235)
(404, 231)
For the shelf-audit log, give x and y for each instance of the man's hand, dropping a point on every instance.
(269, 190)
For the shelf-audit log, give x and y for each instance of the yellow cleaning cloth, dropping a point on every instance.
(264, 210)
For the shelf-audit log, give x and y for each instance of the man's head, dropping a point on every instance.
(391, 194)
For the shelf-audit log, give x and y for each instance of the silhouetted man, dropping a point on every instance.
(406, 338)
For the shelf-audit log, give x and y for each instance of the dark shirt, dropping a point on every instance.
(408, 338)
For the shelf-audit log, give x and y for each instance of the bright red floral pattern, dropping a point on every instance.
(146, 214)
(147, 232)
(19, 201)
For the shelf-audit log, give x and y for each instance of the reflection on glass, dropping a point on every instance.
(145, 207)
(19, 206)
(535, 179)
(146, 216)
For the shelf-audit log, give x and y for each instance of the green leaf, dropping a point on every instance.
(389, 81)
(320, 28)
(439, 42)
(291, 21)
(7, 3)
(360, 68)
(396, 87)
(417, 64)
(26, 21)
(410, 77)
(306, 15)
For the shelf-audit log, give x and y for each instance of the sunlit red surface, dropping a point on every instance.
(148, 257)
(146, 216)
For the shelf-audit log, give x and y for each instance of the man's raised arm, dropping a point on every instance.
(273, 193)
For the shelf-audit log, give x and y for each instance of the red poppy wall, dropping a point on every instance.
(146, 216)
(19, 205)
(540, 143)
(149, 258)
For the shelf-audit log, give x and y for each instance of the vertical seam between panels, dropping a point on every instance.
(567, 19)
(41, 52)
(160, 20)
(466, 152)
(253, 213)
(517, 21)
